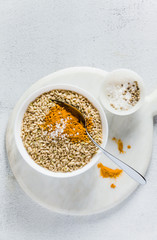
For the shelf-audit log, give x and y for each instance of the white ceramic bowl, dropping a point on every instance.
(18, 122)
(117, 77)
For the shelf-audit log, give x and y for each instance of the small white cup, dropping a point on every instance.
(121, 76)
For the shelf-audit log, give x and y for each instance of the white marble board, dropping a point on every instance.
(88, 193)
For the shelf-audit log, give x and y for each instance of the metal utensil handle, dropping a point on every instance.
(129, 170)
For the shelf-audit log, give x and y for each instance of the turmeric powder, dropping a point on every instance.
(61, 123)
(119, 144)
(106, 172)
(113, 185)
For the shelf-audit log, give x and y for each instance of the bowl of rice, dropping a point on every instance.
(54, 142)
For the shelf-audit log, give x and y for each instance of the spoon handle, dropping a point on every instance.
(129, 170)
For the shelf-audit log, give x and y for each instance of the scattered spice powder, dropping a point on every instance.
(119, 144)
(128, 146)
(113, 185)
(59, 123)
(106, 172)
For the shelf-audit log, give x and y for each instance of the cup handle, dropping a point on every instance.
(152, 103)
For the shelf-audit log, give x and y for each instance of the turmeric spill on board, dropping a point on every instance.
(119, 144)
(128, 146)
(113, 185)
(106, 172)
(60, 123)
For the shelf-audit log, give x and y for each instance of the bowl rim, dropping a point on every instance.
(19, 118)
(119, 72)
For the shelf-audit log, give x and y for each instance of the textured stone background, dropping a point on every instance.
(38, 37)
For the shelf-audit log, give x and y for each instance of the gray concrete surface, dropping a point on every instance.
(38, 37)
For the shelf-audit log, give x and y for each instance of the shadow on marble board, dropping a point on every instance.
(155, 120)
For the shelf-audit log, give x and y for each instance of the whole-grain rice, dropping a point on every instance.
(59, 155)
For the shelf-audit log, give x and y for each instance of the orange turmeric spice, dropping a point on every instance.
(106, 172)
(119, 144)
(113, 185)
(61, 123)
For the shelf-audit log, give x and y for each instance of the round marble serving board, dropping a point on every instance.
(88, 193)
